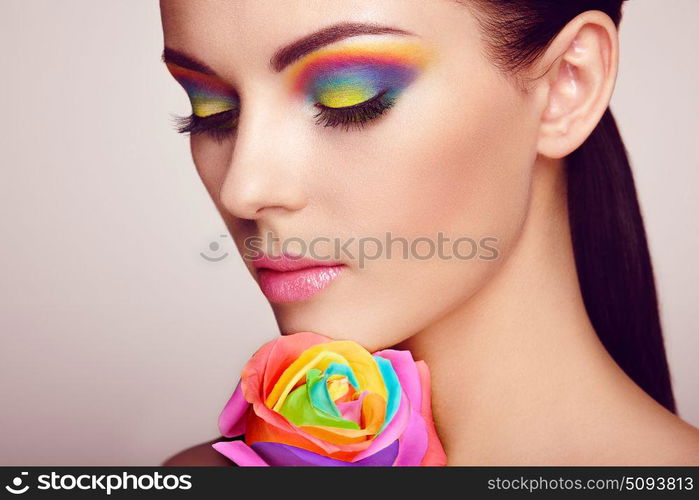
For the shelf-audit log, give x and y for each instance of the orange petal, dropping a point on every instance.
(259, 430)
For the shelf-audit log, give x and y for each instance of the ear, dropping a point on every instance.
(582, 62)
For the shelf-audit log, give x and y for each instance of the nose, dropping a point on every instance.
(266, 168)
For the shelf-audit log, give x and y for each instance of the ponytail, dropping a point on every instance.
(612, 259)
(609, 241)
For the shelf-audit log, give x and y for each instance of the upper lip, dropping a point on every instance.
(289, 262)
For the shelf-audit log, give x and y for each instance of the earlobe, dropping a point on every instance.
(580, 83)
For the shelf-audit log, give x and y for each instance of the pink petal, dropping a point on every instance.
(240, 453)
(352, 410)
(412, 445)
(231, 421)
(435, 454)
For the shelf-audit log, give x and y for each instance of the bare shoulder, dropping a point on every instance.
(681, 443)
(666, 439)
(637, 431)
(199, 455)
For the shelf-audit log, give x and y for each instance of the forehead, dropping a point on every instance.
(240, 36)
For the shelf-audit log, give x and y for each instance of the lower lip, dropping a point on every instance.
(291, 286)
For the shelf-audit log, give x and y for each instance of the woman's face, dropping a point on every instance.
(444, 160)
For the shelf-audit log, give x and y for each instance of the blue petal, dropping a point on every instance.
(392, 387)
(340, 369)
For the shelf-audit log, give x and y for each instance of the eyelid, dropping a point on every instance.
(208, 95)
(186, 76)
(207, 107)
(353, 106)
(356, 115)
(408, 53)
(346, 95)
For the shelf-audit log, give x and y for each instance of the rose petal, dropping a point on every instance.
(263, 424)
(230, 421)
(321, 356)
(373, 413)
(392, 383)
(435, 454)
(392, 432)
(274, 427)
(259, 429)
(278, 454)
(352, 410)
(282, 353)
(240, 453)
(405, 367)
(413, 442)
(411, 397)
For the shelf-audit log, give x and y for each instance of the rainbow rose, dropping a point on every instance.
(305, 399)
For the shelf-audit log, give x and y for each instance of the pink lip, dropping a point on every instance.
(288, 279)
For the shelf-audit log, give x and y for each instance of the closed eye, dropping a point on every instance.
(356, 115)
(219, 126)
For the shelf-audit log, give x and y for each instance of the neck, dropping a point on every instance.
(519, 365)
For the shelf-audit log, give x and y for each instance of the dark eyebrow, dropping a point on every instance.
(295, 50)
(181, 59)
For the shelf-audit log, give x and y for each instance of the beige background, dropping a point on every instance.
(119, 343)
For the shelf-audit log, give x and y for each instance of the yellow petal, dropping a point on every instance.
(337, 387)
(363, 364)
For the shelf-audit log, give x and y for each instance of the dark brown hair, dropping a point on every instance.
(609, 240)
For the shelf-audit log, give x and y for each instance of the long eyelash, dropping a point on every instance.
(219, 126)
(356, 115)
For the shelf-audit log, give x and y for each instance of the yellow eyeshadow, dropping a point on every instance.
(206, 107)
(342, 96)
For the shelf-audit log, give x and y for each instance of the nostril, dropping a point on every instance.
(241, 201)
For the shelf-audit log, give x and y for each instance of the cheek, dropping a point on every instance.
(470, 171)
(458, 165)
(461, 167)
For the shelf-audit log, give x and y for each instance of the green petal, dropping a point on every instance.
(299, 410)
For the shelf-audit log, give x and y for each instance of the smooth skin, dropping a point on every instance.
(519, 375)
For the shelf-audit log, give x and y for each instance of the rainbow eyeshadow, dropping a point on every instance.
(207, 93)
(351, 73)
